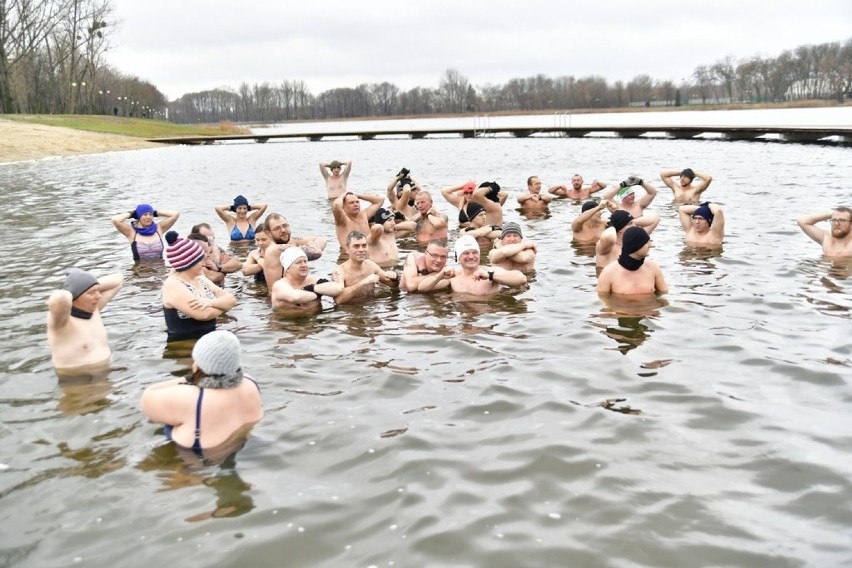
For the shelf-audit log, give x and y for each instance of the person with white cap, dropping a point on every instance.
(472, 278)
(75, 330)
(211, 408)
(632, 274)
(359, 275)
(191, 302)
(297, 289)
(335, 176)
(512, 252)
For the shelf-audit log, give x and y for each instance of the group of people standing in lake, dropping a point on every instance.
(490, 254)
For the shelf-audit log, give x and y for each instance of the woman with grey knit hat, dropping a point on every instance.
(212, 409)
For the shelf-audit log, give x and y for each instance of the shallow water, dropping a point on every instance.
(422, 431)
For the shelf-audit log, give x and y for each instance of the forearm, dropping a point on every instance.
(814, 218)
(509, 277)
(430, 282)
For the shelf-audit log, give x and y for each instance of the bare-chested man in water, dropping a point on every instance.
(471, 278)
(577, 192)
(336, 177)
(837, 242)
(75, 331)
(632, 274)
(684, 190)
(359, 275)
(431, 223)
(704, 224)
(348, 215)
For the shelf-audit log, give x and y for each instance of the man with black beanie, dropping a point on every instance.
(633, 274)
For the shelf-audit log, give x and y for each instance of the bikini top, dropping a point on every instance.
(237, 235)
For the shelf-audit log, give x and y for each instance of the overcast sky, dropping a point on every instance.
(184, 46)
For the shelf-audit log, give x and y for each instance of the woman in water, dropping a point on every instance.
(241, 227)
(253, 266)
(191, 302)
(143, 233)
(214, 407)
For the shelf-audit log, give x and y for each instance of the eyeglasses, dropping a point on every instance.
(437, 256)
(839, 221)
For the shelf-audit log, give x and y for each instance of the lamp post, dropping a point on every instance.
(73, 95)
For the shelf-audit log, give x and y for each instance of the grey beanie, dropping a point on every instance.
(511, 227)
(217, 354)
(78, 281)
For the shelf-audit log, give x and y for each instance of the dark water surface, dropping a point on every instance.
(422, 431)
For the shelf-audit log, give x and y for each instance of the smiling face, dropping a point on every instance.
(242, 211)
(145, 220)
(279, 231)
(469, 258)
(436, 257)
(577, 182)
(534, 185)
(299, 268)
(357, 249)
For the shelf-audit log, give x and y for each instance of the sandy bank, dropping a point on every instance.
(22, 141)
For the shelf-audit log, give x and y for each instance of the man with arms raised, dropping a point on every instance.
(632, 274)
(577, 191)
(838, 241)
(472, 278)
(684, 190)
(704, 224)
(278, 229)
(588, 226)
(297, 290)
(625, 195)
(358, 275)
(419, 265)
(512, 251)
(335, 177)
(75, 331)
(348, 215)
(431, 223)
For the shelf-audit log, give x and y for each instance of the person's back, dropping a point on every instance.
(217, 401)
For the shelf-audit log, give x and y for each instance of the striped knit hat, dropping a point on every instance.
(182, 254)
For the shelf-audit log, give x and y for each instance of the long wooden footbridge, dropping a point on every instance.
(838, 135)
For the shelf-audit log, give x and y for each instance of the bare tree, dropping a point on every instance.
(453, 89)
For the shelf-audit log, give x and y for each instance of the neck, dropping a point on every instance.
(630, 262)
(82, 314)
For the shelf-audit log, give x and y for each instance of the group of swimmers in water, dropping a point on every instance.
(193, 295)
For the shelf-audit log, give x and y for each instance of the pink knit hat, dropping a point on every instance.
(182, 254)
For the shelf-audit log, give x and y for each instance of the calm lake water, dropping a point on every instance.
(422, 431)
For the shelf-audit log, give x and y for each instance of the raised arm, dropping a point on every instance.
(718, 226)
(347, 169)
(558, 190)
(606, 242)
(120, 224)
(58, 308)
(650, 194)
(223, 211)
(110, 285)
(452, 195)
(667, 175)
(585, 216)
(685, 213)
(256, 212)
(808, 224)
(705, 182)
(324, 169)
(376, 202)
(337, 209)
(169, 218)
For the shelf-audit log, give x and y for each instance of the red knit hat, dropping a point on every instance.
(182, 254)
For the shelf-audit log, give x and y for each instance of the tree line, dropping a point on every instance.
(52, 60)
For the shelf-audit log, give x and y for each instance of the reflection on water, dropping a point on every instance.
(436, 430)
